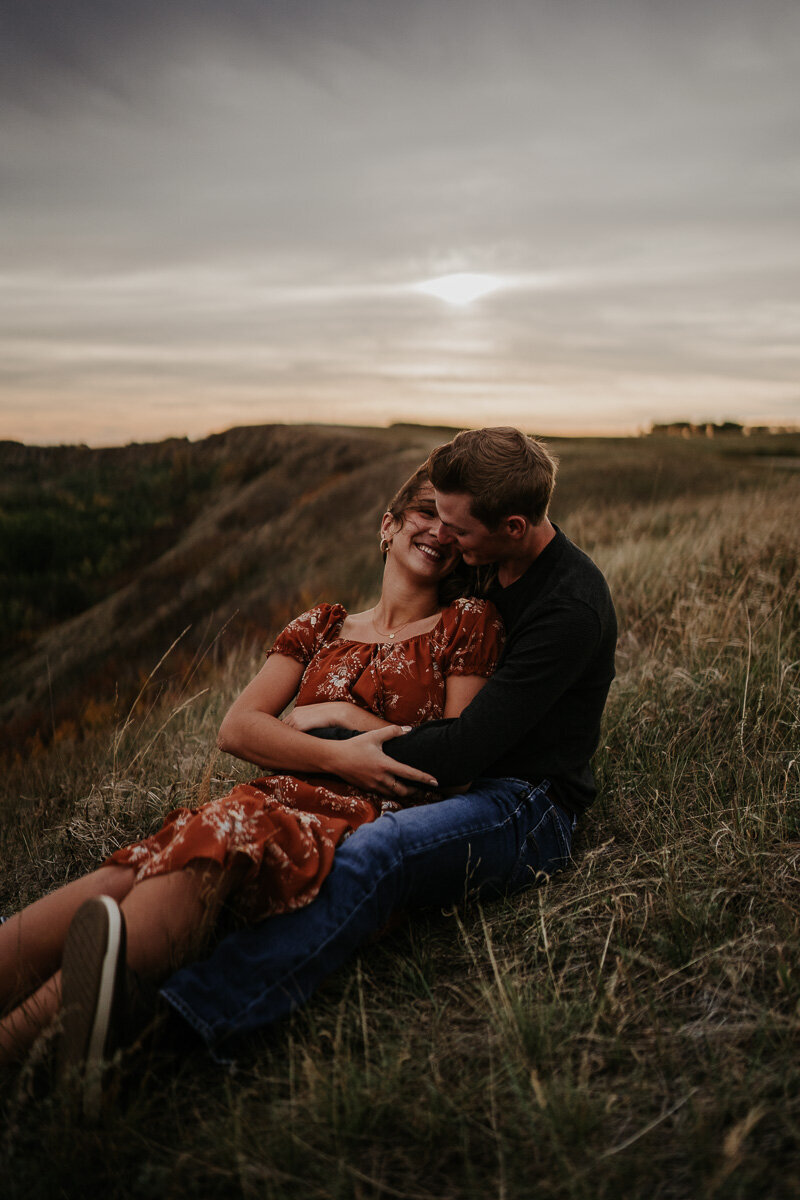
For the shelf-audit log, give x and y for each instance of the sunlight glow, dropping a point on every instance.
(462, 288)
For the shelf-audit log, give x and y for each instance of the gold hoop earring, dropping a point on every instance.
(385, 545)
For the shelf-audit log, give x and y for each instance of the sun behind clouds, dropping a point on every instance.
(462, 288)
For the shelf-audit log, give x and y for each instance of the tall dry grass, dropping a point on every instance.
(627, 1028)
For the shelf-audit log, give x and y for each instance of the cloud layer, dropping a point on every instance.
(214, 214)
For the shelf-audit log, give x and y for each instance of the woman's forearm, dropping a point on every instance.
(345, 714)
(362, 720)
(262, 739)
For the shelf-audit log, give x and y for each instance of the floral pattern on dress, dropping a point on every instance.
(285, 828)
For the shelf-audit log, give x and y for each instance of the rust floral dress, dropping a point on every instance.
(284, 829)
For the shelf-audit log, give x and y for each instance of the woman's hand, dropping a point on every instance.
(304, 717)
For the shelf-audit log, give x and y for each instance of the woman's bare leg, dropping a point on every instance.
(31, 942)
(166, 919)
(20, 1029)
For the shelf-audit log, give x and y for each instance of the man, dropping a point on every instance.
(525, 741)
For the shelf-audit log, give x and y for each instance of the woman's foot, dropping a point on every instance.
(92, 997)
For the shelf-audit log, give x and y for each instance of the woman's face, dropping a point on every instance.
(415, 544)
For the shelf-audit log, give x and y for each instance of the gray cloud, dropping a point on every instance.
(182, 178)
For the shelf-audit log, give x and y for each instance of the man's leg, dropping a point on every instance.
(491, 839)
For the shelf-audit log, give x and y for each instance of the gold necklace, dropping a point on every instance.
(391, 635)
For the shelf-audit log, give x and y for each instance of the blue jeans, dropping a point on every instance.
(489, 841)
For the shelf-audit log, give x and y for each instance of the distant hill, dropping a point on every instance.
(236, 532)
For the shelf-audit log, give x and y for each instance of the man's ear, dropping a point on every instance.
(516, 527)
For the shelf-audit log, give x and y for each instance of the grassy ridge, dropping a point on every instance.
(195, 541)
(628, 1028)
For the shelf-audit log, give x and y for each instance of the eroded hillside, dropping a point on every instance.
(273, 518)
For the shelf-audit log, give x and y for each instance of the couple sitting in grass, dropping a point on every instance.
(494, 700)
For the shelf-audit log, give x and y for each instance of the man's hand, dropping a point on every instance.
(361, 761)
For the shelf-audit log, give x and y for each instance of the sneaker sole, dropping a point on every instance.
(91, 973)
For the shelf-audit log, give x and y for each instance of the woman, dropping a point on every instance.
(267, 846)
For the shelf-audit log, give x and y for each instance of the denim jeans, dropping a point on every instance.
(489, 841)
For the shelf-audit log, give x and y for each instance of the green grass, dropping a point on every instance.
(630, 1028)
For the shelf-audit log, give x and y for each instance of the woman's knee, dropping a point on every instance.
(113, 881)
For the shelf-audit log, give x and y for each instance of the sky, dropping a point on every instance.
(220, 213)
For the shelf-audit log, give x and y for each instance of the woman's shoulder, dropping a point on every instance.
(322, 615)
(307, 633)
(468, 616)
(471, 636)
(469, 609)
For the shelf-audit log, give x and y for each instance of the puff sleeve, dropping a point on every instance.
(305, 636)
(474, 634)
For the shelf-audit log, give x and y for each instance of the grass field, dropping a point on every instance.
(630, 1028)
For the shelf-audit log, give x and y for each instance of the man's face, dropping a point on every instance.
(478, 545)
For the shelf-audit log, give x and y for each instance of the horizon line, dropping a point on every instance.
(676, 428)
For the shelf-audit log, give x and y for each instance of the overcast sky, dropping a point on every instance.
(214, 212)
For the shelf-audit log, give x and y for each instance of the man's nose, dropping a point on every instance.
(444, 535)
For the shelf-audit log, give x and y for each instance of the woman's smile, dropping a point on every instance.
(434, 553)
(438, 558)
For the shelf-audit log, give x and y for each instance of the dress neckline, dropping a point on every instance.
(387, 641)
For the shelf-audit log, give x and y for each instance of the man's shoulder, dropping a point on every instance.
(562, 588)
(577, 563)
(570, 606)
(575, 577)
(570, 596)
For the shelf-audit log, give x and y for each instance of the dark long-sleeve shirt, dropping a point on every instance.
(538, 717)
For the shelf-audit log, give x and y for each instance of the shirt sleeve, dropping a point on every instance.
(545, 659)
(305, 635)
(475, 634)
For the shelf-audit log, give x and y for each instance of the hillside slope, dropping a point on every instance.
(287, 515)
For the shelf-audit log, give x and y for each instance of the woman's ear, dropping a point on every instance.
(388, 527)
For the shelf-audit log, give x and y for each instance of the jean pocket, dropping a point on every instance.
(545, 850)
